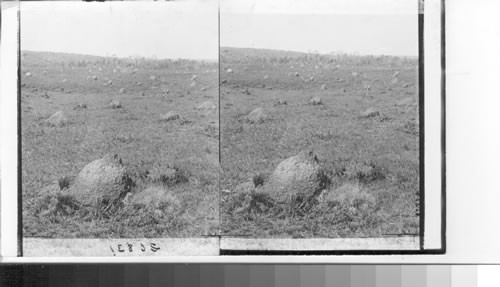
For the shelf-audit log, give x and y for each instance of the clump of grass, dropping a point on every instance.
(350, 208)
(410, 127)
(259, 179)
(65, 182)
(66, 205)
(157, 210)
(54, 205)
(350, 195)
(251, 204)
(363, 171)
(169, 176)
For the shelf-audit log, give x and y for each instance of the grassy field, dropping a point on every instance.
(372, 161)
(82, 87)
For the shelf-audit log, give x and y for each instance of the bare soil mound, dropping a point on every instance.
(315, 101)
(297, 175)
(115, 104)
(58, 119)
(370, 112)
(170, 116)
(206, 106)
(104, 180)
(256, 116)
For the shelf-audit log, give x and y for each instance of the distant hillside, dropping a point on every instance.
(59, 57)
(253, 52)
(35, 58)
(235, 55)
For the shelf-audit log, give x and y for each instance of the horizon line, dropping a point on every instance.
(332, 53)
(124, 57)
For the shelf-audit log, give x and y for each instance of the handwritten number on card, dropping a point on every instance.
(154, 247)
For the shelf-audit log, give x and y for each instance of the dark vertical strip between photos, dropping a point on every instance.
(443, 126)
(421, 116)
(219, 230)
(19, 141)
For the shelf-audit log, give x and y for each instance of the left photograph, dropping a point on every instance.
(119, 128)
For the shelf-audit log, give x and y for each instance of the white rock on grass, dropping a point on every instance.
(115, 104)
(370, 112)
(170, 116)
(94, 78)
(256, 116)
(58, 119)
(194, 77)
(229, 71)
(206, 106)
(315, 101)
(122, 91)
(103, 181)
(28, 74)
(323, 87)
(296, 175)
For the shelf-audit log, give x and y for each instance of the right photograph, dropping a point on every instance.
(320, 127)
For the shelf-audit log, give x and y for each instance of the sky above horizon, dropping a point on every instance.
(366, 27)
(187, 30)
(363, 34)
